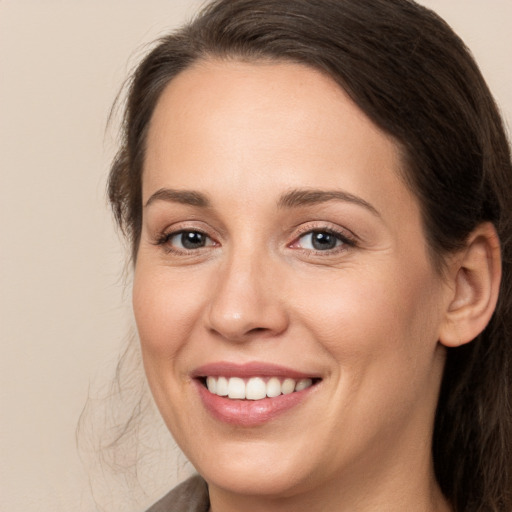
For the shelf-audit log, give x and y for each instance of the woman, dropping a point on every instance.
(318, 199)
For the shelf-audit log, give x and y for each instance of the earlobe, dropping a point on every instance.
(476, 275)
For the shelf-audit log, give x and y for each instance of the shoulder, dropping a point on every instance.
(189, 496)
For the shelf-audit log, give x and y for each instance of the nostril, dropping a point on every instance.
(258, 329)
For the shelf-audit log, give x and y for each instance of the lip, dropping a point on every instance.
(250, 413)
(247, 370)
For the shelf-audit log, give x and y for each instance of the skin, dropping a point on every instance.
(366, 315)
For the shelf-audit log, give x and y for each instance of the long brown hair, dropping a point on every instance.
(413, 76)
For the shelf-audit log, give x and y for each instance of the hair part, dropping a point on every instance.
(415, 79)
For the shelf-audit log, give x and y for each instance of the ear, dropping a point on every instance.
(475, 275)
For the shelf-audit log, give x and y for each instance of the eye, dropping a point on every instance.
(321, 240)
(188, 240)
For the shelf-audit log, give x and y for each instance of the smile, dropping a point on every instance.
(252, 394)
(255, 388)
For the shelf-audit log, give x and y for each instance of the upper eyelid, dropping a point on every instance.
(328, 231)
(172, 233)
(345, 240)
(306, 228)
(186, 225)
(212, 229)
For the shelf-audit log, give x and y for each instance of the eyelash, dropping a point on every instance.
(164, 239)
(346, 241)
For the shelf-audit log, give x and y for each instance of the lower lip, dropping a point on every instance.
(250, 413)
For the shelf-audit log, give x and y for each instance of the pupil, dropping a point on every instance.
(323, 241)
(192, 240)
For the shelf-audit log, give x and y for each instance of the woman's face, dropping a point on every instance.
(280, 247)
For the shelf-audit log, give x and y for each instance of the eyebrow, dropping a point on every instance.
(190, 197)
(293, 199)
(305, 197)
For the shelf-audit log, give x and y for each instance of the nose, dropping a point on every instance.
(247, 300)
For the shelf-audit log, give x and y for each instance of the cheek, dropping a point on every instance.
(165, 312)
(386, 312)
(380, 332)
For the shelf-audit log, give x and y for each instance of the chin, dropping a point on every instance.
(254, 478)
(251, 467)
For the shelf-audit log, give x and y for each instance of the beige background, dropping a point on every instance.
(64, 310)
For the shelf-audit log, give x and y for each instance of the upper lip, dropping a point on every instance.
(247, 370)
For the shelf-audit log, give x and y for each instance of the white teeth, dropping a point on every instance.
(288, 386)
(211, 384)
(221, 388)
(254, 388)
(236, 388)
(273, 387)
(303, 384)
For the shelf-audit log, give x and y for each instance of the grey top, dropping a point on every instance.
(189, 496)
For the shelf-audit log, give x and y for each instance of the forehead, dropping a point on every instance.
(251, 97)
(236, 126)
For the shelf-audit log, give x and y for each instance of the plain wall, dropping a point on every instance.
(64, 307)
